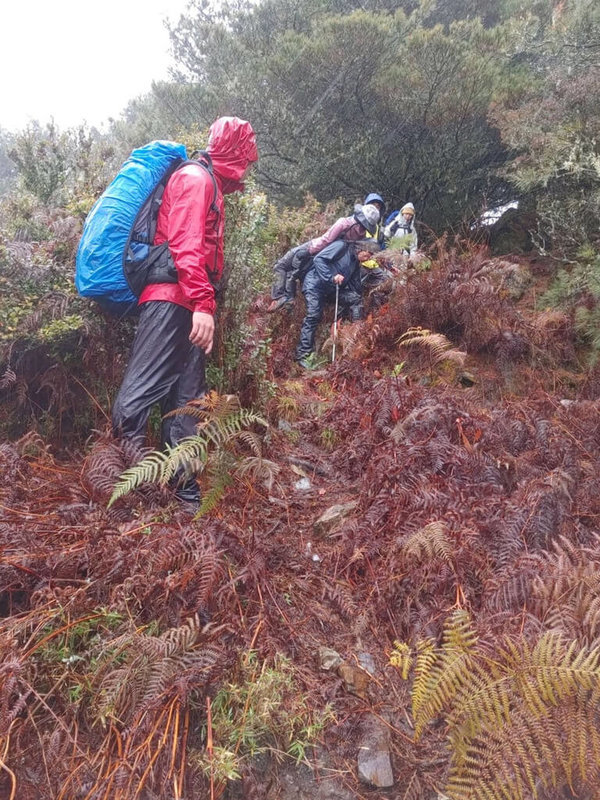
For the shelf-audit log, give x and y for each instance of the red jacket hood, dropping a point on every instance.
(232, 147)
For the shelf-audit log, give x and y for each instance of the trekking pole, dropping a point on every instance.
(337, 297)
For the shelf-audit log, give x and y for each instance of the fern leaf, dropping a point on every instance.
(428, 543)
(212, 497)
(401, 658)
(439, 346)
(252, 441)
(222, 422)
(149, 470)
(258, 470)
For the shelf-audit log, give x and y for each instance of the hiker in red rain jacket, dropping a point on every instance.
(176, 325)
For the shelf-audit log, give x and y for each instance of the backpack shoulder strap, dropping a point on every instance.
(205, 163)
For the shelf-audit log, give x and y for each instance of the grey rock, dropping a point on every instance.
(302, 485)
(367, 662)
(335, 514)
(328, 658)
(515, 279)
(374, 762)
(375, 768)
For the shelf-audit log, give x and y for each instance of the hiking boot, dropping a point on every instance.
(275, 305)
(189, 496)
(307, 362)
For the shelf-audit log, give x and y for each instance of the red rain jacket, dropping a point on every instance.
(188, 221)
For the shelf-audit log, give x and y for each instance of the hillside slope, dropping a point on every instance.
(148, 654)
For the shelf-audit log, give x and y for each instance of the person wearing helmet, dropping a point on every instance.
(337, 265)
(176, 323)
(371, 273)
(374, 199)
(402, 224)
(294, 264)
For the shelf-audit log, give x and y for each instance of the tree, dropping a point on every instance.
(41, 155)
(8, 171)
(548, 117)
(346, 100)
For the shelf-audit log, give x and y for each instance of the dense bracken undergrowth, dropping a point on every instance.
(141, 649)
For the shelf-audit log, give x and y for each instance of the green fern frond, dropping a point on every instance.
(149, 470)
(213, 496)
(189, 455)
(223, 429)
(222, 422)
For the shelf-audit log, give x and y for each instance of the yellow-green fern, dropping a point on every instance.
(520, 718)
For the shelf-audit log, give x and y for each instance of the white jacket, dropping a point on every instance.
(398, 227)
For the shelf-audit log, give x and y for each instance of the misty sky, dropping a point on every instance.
(77, 60)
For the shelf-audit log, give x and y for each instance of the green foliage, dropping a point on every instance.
(223, 428)
(577, 289)
(41, 158)
(520, 716)
(262, 710)
(23, 217)
(240, 352)
(550, 121)
(66, 642)
(401, 242)
(410, 119)
(8, 172)
(59, 329)
(329, 438)
(572, 285)
(64, 168)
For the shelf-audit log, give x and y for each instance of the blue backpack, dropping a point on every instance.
(116, 258)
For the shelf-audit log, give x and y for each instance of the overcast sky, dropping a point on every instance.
(78, 60)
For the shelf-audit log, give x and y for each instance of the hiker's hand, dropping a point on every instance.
(203, 328)
(339, 279)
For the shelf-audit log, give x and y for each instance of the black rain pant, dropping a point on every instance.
(284, 283)
(316, 294)
(165, 368)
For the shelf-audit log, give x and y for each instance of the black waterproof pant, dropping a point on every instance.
(284, 282)
(316, 294)
(165, 368)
